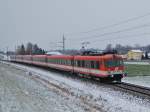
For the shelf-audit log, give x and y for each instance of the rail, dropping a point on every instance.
(140, 90)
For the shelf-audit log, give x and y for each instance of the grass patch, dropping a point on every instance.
(137, 70)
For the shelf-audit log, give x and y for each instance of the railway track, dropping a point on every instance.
(137, 90)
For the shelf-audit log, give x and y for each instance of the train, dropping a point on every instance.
(107, 67)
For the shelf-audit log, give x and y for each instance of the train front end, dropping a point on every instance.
(115, 67)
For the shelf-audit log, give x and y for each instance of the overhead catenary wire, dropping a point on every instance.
(118, 37)
(112, 25)
(121, 37)
(114, 32)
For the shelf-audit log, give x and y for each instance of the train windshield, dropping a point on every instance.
(113, 63)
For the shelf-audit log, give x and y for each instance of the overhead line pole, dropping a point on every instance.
(64, 43)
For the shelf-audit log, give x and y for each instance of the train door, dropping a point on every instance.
(72, 64)
(87, 67)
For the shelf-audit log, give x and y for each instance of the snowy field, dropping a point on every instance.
(138, 80)
(61, 93)
(20, 93)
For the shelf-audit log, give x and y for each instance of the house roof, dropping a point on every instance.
(138, 51)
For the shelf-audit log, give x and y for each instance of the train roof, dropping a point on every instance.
(108, 56)
(60, 56)
(78, 57)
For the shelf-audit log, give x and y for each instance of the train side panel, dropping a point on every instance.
(27, 59)
(106, 66)
(89, 65)
(40, 60)
(60, 62)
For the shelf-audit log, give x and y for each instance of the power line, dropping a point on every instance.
(112, 25)
(115, 32)
(119, 37)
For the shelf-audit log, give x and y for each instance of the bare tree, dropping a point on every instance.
(29, 48)
(109, 47)
(21, 50)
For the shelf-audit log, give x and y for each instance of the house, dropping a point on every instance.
(134, 55)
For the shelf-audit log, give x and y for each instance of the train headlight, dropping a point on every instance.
(112, 76)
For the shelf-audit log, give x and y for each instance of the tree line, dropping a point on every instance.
(124, 49)
(29, 49)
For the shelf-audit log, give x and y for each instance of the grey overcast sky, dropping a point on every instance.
(45, 21)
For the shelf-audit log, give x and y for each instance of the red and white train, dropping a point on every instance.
(109, 67)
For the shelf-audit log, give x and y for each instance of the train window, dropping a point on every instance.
(79, 63)
(97, 65)
(68, 62)
(60, 61)
(87, 64)
(65, 62)
(92, 64)
(83, 63)
(73, 63)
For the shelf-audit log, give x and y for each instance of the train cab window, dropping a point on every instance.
(113, 63)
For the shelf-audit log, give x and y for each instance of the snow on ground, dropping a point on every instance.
(20, 93)
(104, 99)
(138, 80)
